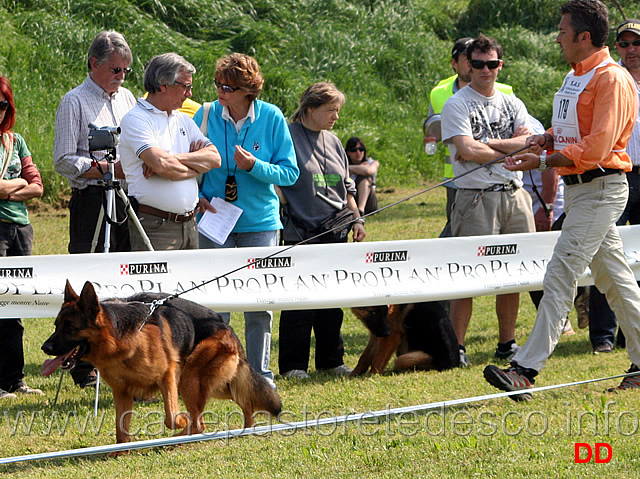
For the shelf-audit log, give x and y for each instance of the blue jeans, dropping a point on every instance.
(602, 321)
(257, 324)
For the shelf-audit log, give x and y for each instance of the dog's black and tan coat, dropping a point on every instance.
(182, 349)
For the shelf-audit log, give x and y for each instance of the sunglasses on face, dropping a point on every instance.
(480, 64)
(186, 87)
(625, 44)
(117, 70)
(357, 148)
(4, 105)
(226, 88)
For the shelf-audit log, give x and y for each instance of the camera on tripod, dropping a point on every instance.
(103, 137)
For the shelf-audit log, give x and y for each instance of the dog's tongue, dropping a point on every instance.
(50, 365)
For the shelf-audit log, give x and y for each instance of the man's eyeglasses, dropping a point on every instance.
(186, 87)
(117, 70)
(4, 105)
(480, 64)
(625, 44)
(226, 88)
(357, 148)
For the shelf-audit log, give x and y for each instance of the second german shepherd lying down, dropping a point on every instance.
(182, 348)
(420, 334)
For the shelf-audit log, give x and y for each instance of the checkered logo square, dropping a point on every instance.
(124, 270)
(482, 250)
(368, 258)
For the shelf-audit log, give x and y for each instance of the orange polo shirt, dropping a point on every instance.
(607, 110)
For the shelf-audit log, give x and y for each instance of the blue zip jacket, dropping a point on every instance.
(269, 140)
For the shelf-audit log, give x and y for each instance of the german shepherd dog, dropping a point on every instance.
(182, 348)
(420, 334)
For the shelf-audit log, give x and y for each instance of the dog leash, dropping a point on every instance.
(157, 303)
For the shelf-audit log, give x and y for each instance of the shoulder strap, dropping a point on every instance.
(205, 117)
(8, 153)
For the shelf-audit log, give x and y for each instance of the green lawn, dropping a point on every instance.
(493, 438)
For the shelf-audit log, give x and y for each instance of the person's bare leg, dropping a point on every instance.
(460, 314)
(507, 311)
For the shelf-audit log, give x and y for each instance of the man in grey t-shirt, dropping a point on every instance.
(478, 124)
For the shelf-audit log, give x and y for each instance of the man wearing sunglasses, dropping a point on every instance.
(437, 98)
(603, 324)
(478, 124)
(594, 114)
(163, 151)
(103, 101)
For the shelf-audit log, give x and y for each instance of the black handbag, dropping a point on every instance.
(336, 228)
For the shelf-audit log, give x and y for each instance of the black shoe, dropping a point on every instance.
(508, 354)
(510, 379)
(89, 380)
(629, 382)
(603, 348)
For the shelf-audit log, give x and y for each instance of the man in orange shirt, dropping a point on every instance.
(594, 113)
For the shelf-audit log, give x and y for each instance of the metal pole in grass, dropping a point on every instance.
(264, 430)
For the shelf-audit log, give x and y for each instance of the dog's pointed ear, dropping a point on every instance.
(88, 301)
(69, 293)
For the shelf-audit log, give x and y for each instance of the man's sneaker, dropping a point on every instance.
(603, 348)
(508, 354)
(510, 379)
(5, 395)
(296, 374)
(629, 382)
(341, 370)
(24, 389)
(465, 362)
(89, 380)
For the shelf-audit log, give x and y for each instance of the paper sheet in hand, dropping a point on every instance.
(217, 226)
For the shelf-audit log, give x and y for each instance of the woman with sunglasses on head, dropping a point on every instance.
(324, 192)
(257, 153)
(363, 171)
(19, 181)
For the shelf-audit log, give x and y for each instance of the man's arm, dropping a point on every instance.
(473, 150)
(181, 166)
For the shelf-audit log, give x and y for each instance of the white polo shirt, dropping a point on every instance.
(145, 127)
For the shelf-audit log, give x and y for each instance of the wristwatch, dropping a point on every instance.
(549, 206)
(543, 161)
(360, 220)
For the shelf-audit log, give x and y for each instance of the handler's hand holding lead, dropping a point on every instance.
(524, 162)
(535, 143)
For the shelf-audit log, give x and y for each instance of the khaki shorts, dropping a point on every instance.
(480, 212)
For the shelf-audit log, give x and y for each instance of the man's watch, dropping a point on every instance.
(360, 220)
(549, 206)
(543, 161)
(485, 140)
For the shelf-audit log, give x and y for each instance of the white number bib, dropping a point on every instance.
(565, 113)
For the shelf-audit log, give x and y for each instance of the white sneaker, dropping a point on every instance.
(5, 395)
(296, 374)
(341, 370)
(27, 390)
(465, 362)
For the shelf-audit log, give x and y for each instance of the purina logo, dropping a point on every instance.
(497, 250)
(8, 273)
(268, 263)
(386, 256)
(143, 268)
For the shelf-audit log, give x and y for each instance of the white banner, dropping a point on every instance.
(301, 277)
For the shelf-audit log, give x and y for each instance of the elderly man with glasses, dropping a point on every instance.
(163, 151)
(102, 101)
(478, 124)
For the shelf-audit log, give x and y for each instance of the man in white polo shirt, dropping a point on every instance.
(162, 151)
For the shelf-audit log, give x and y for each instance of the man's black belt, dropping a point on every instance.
(587, 176)
(636, 170)
(165, 215)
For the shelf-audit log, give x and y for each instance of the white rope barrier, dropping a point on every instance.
(262, 430)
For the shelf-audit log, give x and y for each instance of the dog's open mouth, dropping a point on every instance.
(65, 361)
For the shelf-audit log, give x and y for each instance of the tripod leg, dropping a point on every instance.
(134, 218)
(96, 233)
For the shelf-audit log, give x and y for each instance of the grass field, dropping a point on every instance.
(493, 438)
